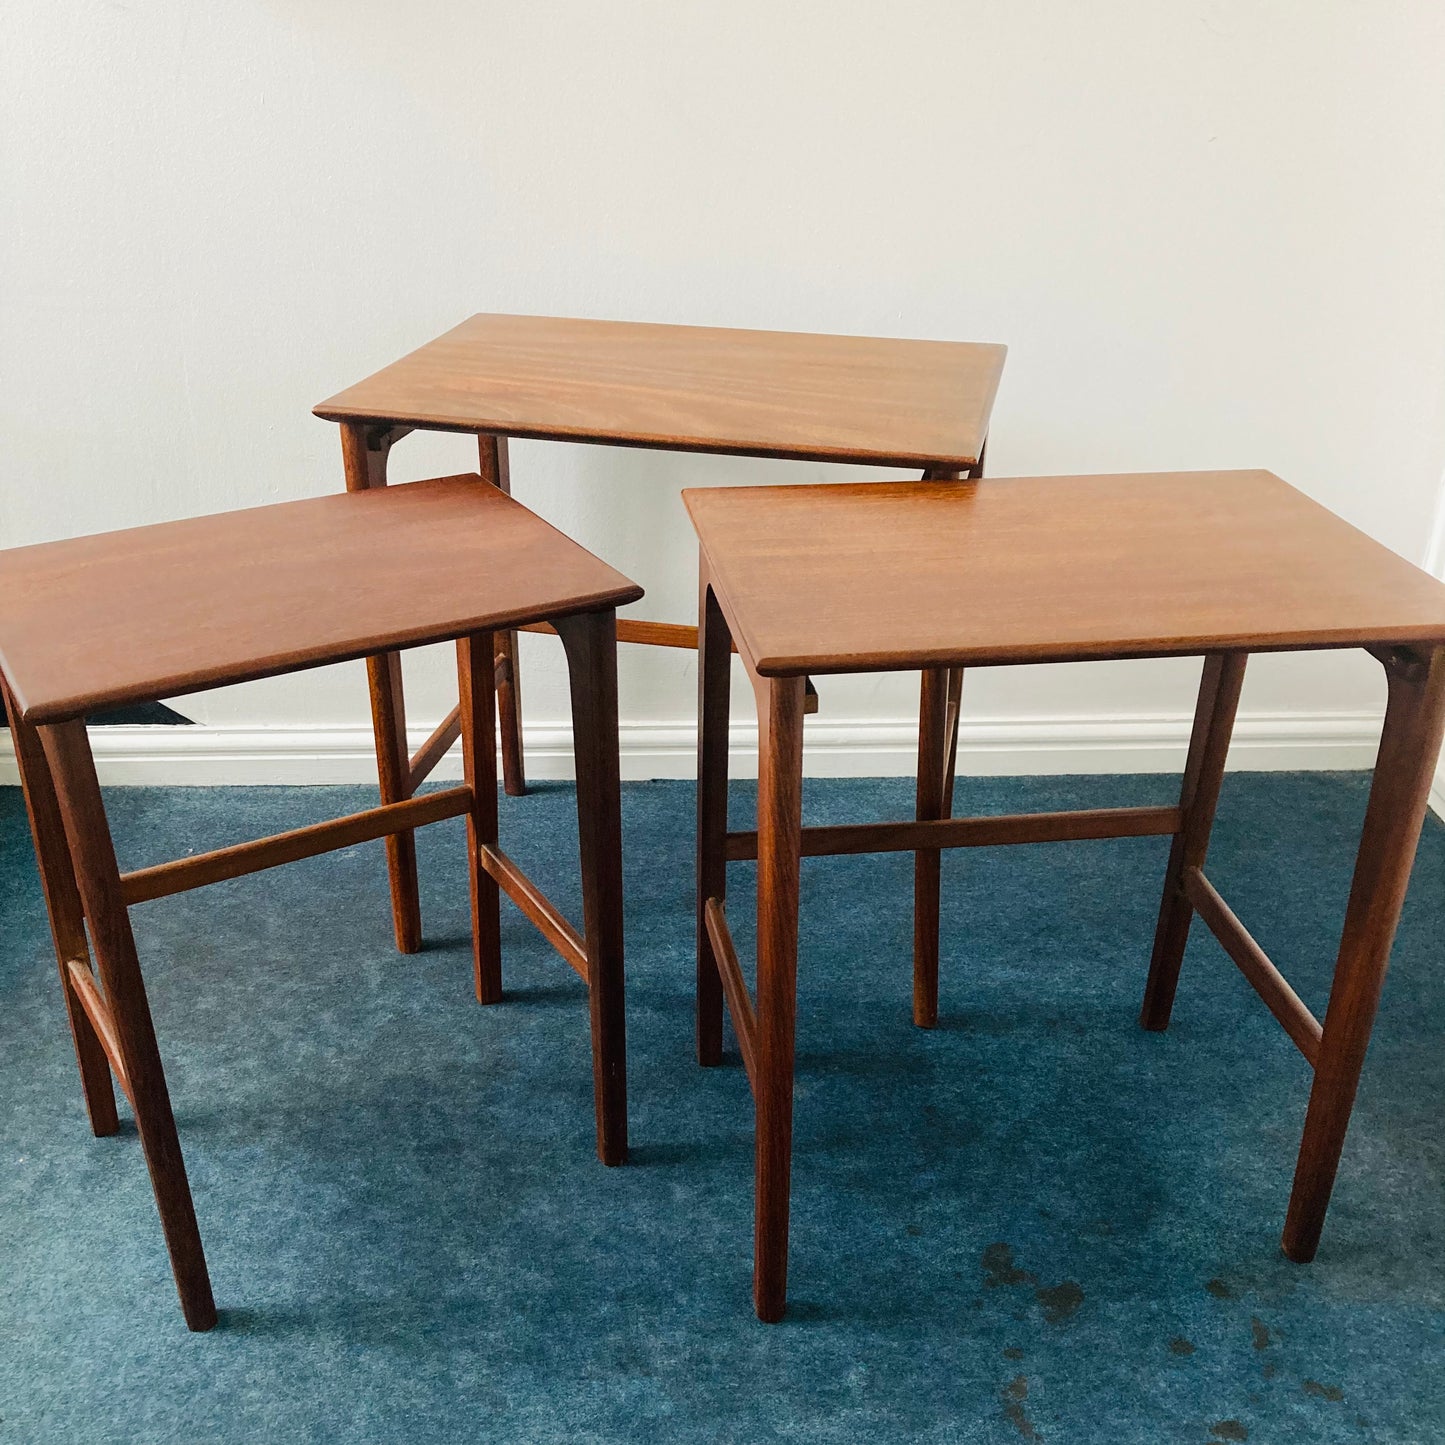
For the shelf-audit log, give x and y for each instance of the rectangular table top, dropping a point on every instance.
(881, 576)
(154, 611)
(692, 388)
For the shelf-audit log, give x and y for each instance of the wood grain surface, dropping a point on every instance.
(878, 576)
(173, 608)
(692, 388)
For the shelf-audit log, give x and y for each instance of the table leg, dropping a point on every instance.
(479, 766)
(67, 918)
(97, 876)
(955, 687)
(940, 696)
(780, 792)
(932, 773)
(950, 737)
(1214, 713)
(590, 640)
(364, 451)
(714, 680)
(496, 469)
(1404, 768)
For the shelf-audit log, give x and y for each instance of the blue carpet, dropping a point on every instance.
(1037, 1223)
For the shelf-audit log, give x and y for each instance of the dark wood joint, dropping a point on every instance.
(1407, 664)
(383, 436)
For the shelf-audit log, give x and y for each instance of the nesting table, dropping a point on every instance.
(134, 616)
(861, 400)
(884, 577)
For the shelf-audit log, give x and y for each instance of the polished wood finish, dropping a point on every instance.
(663, 634)
(1070, 826)
(1049, 569)
(428, 585)
(656, 634)
(544, 914)
(442, 558)
(940, 697)
(1219, 689)
(495, 467)
(940, 574)
(927, 862)
(648, 634)
(692, 388)
(67, 916)
(590, 641)
(780, 802)
(164, 879)
(365, 449)
(82, 980)
(98, 879)
(1404, 769)
(759, 393)
(714, 685)
(629, 629)
(394, 779)
(952, 714)
(735, 988)
(1254, 963)
(508, 674)
(434, 749)
(476, 724)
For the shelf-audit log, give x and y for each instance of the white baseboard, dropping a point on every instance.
(202, 755)
(1437, 793)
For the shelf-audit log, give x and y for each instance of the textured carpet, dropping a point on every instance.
(1037, 1223)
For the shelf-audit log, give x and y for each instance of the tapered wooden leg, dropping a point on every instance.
(88, 834)
(393, 768)
(1214, 713)
(1404, 768)
(955, 687)
(67, 919)
(932, 772)
(479, 767)
(714, 679)
(509, 707)
(939, 700)
(950, 737)
(496, 469)
(591, 643)
(364, 450)
(780, 790)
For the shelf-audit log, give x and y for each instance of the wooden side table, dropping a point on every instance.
(861, 400)
(817, 580)
(132, 616)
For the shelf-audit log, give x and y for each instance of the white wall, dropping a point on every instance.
(1210, 232)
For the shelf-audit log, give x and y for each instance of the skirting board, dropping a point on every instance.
(835, 747)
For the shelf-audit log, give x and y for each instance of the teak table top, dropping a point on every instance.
(692, 388)
(155, 611)
(881, 576)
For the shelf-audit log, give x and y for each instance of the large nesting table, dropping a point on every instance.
(922, 405)
(817, 580)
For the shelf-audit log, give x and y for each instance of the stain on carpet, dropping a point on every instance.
(1013, 1395)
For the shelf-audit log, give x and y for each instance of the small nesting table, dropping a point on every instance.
(138, 615)
(853, 399)
(871, 578)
